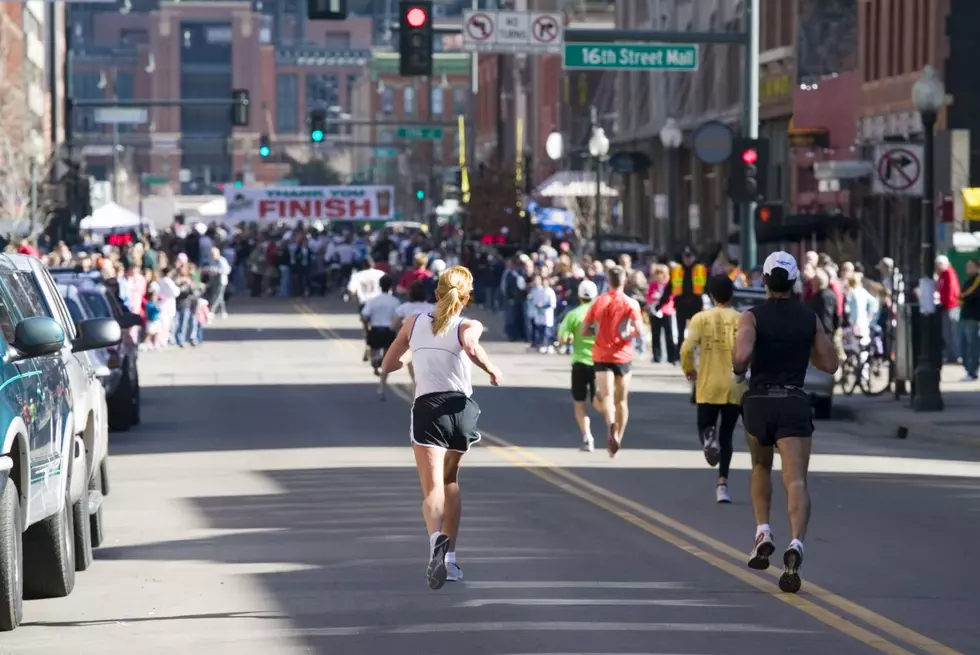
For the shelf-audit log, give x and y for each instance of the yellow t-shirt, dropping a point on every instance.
(712, 333)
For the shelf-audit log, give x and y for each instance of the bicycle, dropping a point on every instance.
(866, 366)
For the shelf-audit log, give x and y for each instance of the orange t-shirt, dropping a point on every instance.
(610, 311)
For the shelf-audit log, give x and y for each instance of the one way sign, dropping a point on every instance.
(898, 170)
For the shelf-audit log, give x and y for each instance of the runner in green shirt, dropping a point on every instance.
(583, 369)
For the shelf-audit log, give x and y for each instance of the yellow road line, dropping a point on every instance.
(633, 512)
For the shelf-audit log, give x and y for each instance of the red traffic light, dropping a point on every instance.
(765, 214)
(750, 156)
(416, 17)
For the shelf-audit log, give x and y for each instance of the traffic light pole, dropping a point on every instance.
(750, 125)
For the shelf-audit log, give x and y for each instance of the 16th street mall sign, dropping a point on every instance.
(630, 56)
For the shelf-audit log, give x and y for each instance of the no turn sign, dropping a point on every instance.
(898, 170)
(545, 29)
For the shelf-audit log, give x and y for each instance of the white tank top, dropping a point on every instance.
(440, 364)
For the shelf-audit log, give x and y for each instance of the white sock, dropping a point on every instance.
(796, 543)
(451, 557)
(762, 527)
(432, 540)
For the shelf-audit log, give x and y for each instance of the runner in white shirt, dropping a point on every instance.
(416, 305)
(378, 315)
(364, 285)
(444, 347)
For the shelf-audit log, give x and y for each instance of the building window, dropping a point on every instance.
(351, 86)
(461, 100)
(915, 37)
(337, 41)
(388, 101)
(786, 22)
(926, 27)
(287, 103)
(125, 90)
(868, 45)
(408, 101)
(321, 92)
(876, 45)
(437, 108)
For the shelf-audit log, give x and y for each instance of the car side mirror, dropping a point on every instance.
(130, 320)
(95, 333)
(37, 336)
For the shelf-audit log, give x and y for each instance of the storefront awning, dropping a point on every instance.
(573, 184)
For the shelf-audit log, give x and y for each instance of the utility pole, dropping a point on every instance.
(750, 124)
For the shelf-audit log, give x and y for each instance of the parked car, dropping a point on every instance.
(122, 383)
(43, 458)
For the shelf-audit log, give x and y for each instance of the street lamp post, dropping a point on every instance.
(671, 137)
(928, 96)
(599, 149)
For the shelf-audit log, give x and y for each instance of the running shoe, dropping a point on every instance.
(722, 495)
(453, 572)
(789, 581)
(763, 549)
(612, 443)
(709, 441)
(436, 572)
(588, 443)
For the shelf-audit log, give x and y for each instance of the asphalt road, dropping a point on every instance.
(269, 505)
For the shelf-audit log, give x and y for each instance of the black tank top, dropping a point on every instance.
(785, 329)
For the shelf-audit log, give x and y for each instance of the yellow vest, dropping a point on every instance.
(699, 279)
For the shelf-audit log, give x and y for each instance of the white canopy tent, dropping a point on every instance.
(213, 209)
(111, 217)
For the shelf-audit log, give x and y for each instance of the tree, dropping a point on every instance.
(315, 172)
(25, 157)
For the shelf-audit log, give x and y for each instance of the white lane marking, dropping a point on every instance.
(573, 584)
(593, 602)
(352, 563)
(586, 626)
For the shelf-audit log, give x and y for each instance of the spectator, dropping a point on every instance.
(948, 289)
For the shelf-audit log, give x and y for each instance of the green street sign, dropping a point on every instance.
(630, 56)
(153, 180)
(433, 133)
(386, 153)
(288, 181)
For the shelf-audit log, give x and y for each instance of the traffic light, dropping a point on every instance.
(415, 38)
(239, 180)
(326, 9)
(239, 108)
(318, 125)
(748, 170)
(420, 194)
(264, 149)
(768, 216)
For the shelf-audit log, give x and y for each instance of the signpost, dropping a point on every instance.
(386, 153)
(713, 143)
(898, 170)
(514, 32)
(630, 56)
(416, 133)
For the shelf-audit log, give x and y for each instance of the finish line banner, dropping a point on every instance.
(310, 203)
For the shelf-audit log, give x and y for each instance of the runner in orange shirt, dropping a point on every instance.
(615, 320)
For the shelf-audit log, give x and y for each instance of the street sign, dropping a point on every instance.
(430, 133)
(155, 180)
(121, 115)
(713, 143)
(630, 56)
(898, 170)
(518, 32)
(385, 153)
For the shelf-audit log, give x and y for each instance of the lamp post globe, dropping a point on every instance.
(928, 92)
(598, 143)
(554, 145)
(671, 135)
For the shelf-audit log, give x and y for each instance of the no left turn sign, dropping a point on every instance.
(479, 27)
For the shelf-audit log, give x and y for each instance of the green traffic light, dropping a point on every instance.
(238, 184)
(264, 151)
(420, 194)
(317, 136)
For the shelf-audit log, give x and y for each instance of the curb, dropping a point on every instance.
(903, 429)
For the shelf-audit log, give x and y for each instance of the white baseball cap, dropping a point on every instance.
(782, 260)
(438, 266)
(587, 289)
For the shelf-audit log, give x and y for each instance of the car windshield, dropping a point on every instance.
(98, 305)
(76, 312)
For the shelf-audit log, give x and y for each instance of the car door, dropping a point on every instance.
(47, 397)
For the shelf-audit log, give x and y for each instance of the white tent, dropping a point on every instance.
(213, 209)
(111, 217)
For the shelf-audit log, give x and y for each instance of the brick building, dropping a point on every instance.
(162, 52)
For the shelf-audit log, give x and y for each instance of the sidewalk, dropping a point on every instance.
(958, 424)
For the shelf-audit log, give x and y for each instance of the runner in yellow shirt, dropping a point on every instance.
(712, 334)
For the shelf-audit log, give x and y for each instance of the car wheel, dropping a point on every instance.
(83, 534)
(121, 406)
(96, 528)
(822, 408)
(11, 559)
(136, 401)
(104, 476)
(49, 554)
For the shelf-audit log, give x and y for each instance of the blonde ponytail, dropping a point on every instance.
(454, 289)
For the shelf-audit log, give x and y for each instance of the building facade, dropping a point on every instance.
(163, 53)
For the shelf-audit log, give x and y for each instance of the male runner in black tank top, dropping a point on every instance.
(776, 341)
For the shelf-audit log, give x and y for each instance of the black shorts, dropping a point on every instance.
(380, 338)
(583, 382)
(445, 420)
(618, 370)
(769, 414)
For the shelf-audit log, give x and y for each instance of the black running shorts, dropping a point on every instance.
(618, 370)
(583, 382)
(380, 338)
(769, 414)
(445, 420)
